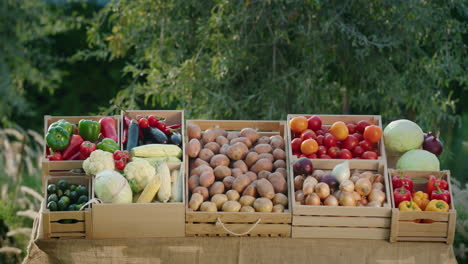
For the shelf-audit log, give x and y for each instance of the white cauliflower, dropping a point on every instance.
(98, 161)
(139, 173)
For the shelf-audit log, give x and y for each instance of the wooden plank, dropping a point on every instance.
(435, 216)
(340, 211)
(88, 224)
(423, 234)
(422, 239)
(63, 228)
(325, 221)
(261, 229)
(394, 228)
(340, 232)
(67, 235)
(205, 217)
(237, 125)
(46, 225)
(75, 215)
(451, 226)
(422, 227)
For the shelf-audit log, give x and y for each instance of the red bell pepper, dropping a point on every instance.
(401, 194)
(402, 180)
(108, 129)
(73, 147)
(440, 194)
(77, 156)
(57, 155)
(86, 148)
(433, 181)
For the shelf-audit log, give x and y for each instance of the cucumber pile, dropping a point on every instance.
(64, 196)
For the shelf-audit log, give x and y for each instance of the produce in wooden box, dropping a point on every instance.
(63, 196)
(236, 171)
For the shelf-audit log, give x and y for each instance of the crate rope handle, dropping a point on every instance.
(219, 222)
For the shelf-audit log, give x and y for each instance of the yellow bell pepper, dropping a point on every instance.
(408, 206)
(437, 206)
(421, 199)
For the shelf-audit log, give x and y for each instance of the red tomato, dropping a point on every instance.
(312, 156)
(319, 132)
(295, 153)
(346, 154)
(314, 123)
(358, 136)
(143, 122)
(322, 150)
(161, 125)
(357, 151)
(372, 133)
(324, 157)
(369, 155)
(333, 152)
(309, 146)
(152, 120)
(298, 124)
(296, 145)
(351, 128)
(350, 142)
(365, 145)
(320, 139)
(308, 134)
(329, 140)
(361, 125)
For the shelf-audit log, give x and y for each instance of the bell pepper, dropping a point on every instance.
(77, 156)
(440, 194)
(401, 194)
(65, 124)
(437, 206)
(108, 145)
(421, 199)
(73, 147)
(431, 184)
(408, 206)
(57, 138)
(402, 180)
(86, 148)
(108, 129)
(89, 129)
(57, 155)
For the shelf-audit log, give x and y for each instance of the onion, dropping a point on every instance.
(378, 186)
(298, 182)
(432, 144)
(356, 172)
(309, 185)
(364, 200)
(357, 196)
(299, 196)
(363, 186)
(379, 178)
(368, 175)
(347, 186)
(377, 195)
(331, 201)
(355, 178)
(303, 166)
(347, 199)
(374, 204)
(331, 181)
(323, 190)
(341, 171)
(312, 199)
(318, 174)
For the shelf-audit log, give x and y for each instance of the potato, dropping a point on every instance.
(265, 189)
(221, 140)
(240, 164)
(263, 140)
(193, 182)
(263, 148)
(213, 146)
(227, 181)
(236, 172)
(231, 206)
(279, 164)
(232, 135)
(298, 182)
(250, 190)
(278, 208)
(244, 140)
(232, 195)
(240, 183)
(200, 169)
(266, 156)
(252, 176)
(208, 207)
(219, 200)
(250, 133)
(262, 164)
(203, 191)
(219, 160)
(278, 154)
(224, 149)
(207, 179)
(206, 154)
(198, 162)
(277, 141)
(193, 131)
(263, 205)
(280, 199)
(247, 200)
(247, 209)
(195, 201)
(237, 151)
(218, 132)
(283, 172)
(263, 174)
(208, 136)
(193, 148)
(221, 172)
(279, 183)
(251, 158)
(216, 188)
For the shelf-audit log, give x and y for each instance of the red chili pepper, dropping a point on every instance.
(440, 194)
(127, 121)
(167, 131)
(433, 181)
(73, 147)
(75, 156)
(108, 129)
(402, 180)
(175, 126)
(401, 194)
(125, 135)
(57, 155)
(86, 148)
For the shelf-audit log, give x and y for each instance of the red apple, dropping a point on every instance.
(296, 145)
(333, 152)
(358, 136)
(312, 156)
(322, 150)
(314, 123)
(308, 134)
(357, 151)
(350, 142)
(339, 143)
(365, 145)
(295, 135)
(346, 154)
(369, 155)
(361, 125)
(302, 156)
(329, 140)
(351, 128)
(324, 157)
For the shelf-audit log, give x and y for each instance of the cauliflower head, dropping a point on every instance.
(139, 173)
(98, 161)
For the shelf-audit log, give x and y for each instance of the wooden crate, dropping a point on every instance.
(53, 222)
(403, 228)
(250, 224)
(143, 219)
(328, 120)
(340, 221)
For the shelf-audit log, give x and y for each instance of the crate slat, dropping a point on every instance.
(422, 239)
(336, 221)
(340, 211)
(67, 235)
(57, 216)
(260, 230)
(63, 228)
(337, 232)
(233, 217)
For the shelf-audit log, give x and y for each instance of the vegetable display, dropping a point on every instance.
(236, 171)
(63, 196)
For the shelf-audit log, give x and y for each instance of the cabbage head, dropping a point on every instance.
(403, 135)
(418, 159)
(111, 187)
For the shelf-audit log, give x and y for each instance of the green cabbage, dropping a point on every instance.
(111, 187)
(403, 135)
(418, 159)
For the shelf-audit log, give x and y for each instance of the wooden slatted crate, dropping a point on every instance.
(340, 221)
(143, 219)
(442, 228)
(228, 223)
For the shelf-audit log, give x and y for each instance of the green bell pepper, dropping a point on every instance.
(65, 124)
(57, 138)
(89, 130)
(108, 145)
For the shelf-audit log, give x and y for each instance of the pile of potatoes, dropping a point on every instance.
(236, 171)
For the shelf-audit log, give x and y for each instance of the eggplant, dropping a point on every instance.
(176, 138)
(132, 140)
(155, 135)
